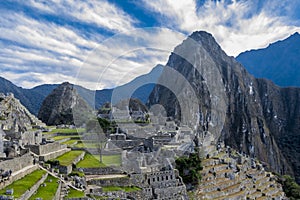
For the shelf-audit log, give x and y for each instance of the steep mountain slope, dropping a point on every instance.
(63, 106)
(278, 62)
(14, 117)
(251, 115)
(31, 98)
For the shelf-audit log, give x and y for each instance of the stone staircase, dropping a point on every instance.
(230, 175)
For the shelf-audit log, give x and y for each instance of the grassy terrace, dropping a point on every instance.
(47, 192)
(61, 137)
(68, 158)
(66, 131)
(75, 194)
(93, 161)
(116, 188)
(87, 144)
(70, 142)
(20, 186)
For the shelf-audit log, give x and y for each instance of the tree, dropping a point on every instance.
(97, 134)
(290, 187)
(189, 168)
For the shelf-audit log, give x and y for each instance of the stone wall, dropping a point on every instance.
(17, 163)
(31, 137)
(68, 169)
(47, 148)
(65, 169)
(58, 191)
(160, 185)
(124, 181)
(101, 171)
(34, 188)
(53, 155)
(18, 176)
(171, 192)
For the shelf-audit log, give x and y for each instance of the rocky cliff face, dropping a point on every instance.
(64, 106)
(214, 93)
(14, 117)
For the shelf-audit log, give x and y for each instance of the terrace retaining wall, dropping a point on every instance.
(101, 171)
(17, 163)
(34, 188)
(46, 148)
(58, 191)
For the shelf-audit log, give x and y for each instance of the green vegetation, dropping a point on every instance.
(88, 144)
(106, 125)
(90, 161)
(119, 188)
(75, 193)
(66, 131)
(68, 158)
(76, 173)
(290, 187)
(48, 191)
(70, 142)
(189, 168)
(112, 160)
(61, 137)
(93, 161)
(20, 186)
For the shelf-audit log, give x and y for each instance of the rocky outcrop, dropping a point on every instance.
(64, 106)
(14, 117)
(214, 93)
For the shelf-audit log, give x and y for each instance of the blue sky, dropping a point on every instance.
(101, 44)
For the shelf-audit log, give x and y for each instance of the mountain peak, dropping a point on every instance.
(60, 105)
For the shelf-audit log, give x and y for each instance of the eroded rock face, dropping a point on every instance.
(64, 106)
(14, 117)
(251, 115)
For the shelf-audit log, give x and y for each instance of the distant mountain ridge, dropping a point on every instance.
(279, 62)
(33, 98)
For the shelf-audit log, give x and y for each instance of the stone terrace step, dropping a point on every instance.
(263, 198)
(210, 162)
(235, 196)
(262, 181)
(215, 168)
(255, 195)
(233, 188)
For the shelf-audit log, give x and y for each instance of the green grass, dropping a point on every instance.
(86, 144)
(117, 188)
(93, 161)
(90, 161)
(20, 186)
(61, 137)
(111, 159)
(47, 192)
(70, 142)
(68, 158)
(75, 193)
(66, 131)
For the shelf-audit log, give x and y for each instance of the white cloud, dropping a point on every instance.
(235, 26)
(101, 13)
(44, 52)
(47, 52)
(122, 57)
